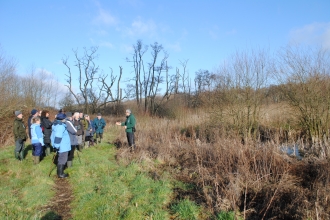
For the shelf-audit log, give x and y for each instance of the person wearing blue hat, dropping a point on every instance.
(61, 142)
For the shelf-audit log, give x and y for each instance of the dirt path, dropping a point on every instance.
(59, 206)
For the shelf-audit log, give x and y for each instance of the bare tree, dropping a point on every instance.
(139, 51)
(238, 95)
(87, 70)
(305, 75)
(153, 78)
(10, 86)
(184, 76)
(107, 87)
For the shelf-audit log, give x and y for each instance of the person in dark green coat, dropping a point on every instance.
(129, 126)
(19, 135)
(99, 124)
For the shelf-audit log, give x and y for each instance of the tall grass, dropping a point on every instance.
(254, 179)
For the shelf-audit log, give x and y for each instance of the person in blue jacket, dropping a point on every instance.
(37, 139)
(99, 124)
(61, 142)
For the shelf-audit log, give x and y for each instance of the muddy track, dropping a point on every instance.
(59, 206)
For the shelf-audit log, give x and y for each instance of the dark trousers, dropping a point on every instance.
(37, 149)
(19, 146)
(71, 153)
(99, 137)
(62, 158)
(130, 138)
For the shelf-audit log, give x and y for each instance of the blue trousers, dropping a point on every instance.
(37, 149)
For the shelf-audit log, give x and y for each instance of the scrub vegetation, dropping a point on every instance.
(213, 147)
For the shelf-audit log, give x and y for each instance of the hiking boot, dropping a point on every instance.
(17, 155)
(60, 173)
(69, 164)
(47, 151)
(21, 155)
(36, 160)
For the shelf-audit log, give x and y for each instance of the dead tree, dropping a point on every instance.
(139, 51)
(87, 70)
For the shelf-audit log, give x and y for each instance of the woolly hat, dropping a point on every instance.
(69, 114)
(34, 111)
(17, 113)
(99, 114)
(60, 116)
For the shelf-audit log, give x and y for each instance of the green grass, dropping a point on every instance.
(186, 209)
(25, 188)
(102, 188)
(106, 190)
(228, 216)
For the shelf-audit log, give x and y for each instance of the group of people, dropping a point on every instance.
(67, 133)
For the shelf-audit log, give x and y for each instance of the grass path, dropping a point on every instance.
(104, 189)
(99, 187)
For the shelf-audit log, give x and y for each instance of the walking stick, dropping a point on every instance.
(51, 168)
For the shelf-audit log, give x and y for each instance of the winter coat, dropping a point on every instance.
(37, 135)
(90, 127)
(84, 123)
(46, 125)
(72, 132)
(78, 126)
(129, 123)
(99, 125)
(19, 130)
(60, 138)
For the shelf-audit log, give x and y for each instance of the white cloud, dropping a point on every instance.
(316, 33)
(127, 48)
(132, 3)
(231, 32)
(105, 18)
(174, 47)
(139, 27)
(106, 44)
(213, 32)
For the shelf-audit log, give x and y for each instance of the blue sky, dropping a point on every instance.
(41, 33)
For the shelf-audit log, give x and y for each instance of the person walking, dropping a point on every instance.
(80, 130)
(60, 140)
(73, 138)
(99, 124)
(129, 125)
(19, 135)
(46, 127)
(37, 139)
